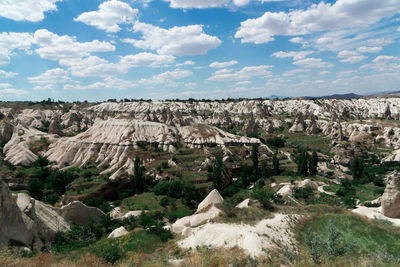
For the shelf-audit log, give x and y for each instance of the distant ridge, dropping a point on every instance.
(337, 96)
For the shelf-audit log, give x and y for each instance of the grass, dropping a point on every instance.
(318, 142)
(364, 238)
(366, 192)
(145, 201)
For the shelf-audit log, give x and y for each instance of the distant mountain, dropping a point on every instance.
(336, 96)
(279, 97)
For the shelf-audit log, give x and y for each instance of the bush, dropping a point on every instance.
(315, 244)
(51, 198)
(305, 193)
(175, 189)
(275, 141)
(266, 196)
(161, 188)
(372, 205)
(35, 188)
(110, 252)
(164, 202)
(164, 165)
(378, 181)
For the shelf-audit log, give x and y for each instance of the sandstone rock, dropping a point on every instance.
(13, 229)
(121, 231)
(286, 190)
(250, 125)
(390, 201)
(307, 182)
(54, 128)
(204, 213)
(6, 131)
(387, 115)
(80, 214)
(299, 124)
(247, 203)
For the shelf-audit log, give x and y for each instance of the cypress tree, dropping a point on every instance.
(217, 173)
(245, 176)
(313, 164)
(264, 169)
(254, 157)
(357, 168)
(302, 167)
(275, 162)
(138, 177)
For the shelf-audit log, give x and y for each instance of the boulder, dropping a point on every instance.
(80, 214)
(286, 190)
(120, 231)
(14, 226)
(212, 198)
(307, 182)
(390, 201)
(247, 203)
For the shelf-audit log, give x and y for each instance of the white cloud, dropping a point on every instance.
(29, 10)
(109, 15)
(178, 41)
(353, 59)
(9, 42)
(167, 78)
(383, 59)
(293, 54)
(51, 76)
(296, 40)
(96, 66)
(324, 72)
(7, 90)
(243, 74)
(218, 65)
(43, 87)
(320, 17)
(108, 83)
(5, 74)
(197, 3)
(55, 47)
(312, 63)
(350, 56)
(295, 72)
(370, 49)
(147, 60)
(241, 2)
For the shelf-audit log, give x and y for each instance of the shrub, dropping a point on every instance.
(391, 132)
(35, 188)
(370, 204)
(110, 252)
(164, 165)
(175, 189)
(378, 181)
(164, 202)
(315, 245)
(305, 193)
(51, 198)
(276, 141)
(161, 188)
(266, 196)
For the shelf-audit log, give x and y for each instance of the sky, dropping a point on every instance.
(74, 50)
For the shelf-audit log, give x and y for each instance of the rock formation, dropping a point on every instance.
(390, 201)
(78, 213)
(387, 115)
(299, 124)
(54, 128)
(120, 231)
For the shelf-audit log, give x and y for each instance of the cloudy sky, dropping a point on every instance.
(161, 49)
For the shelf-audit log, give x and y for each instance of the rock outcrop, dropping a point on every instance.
(120, 231)
(54, 128)
(78, 213)
(299, 124)
(390, 201)
(206, 211)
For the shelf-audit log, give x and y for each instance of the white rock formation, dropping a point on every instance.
(204, 213)
(80, 214)
(253, 239)
(120, 231)
(390, 201)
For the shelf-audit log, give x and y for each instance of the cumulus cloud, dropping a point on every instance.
(109, 15)
(312, 63)
(197, 3)
(95, 66)
(108, 83)
(370, 49)
(178, 41)
(7, 90)
(383, 59)
(51, 76)
(219, 65)
(243, 74)
(167, 78)
(29, 10)
(293, 54)
(9, 42)
(56, 47)
(5, 74)
(350, 56)
(320, 17)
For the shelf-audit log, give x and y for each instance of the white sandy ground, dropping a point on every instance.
(253, 239)
(375, 213)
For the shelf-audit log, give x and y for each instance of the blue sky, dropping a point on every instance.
(162, 49)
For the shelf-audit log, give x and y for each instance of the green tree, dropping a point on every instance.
(216, 175)
(275, 162)
(357, 168)
(138, 176)
(254, 158)
(302, 164)
(263, 169)
(35, 188)
(313, 164)
(245, 176)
